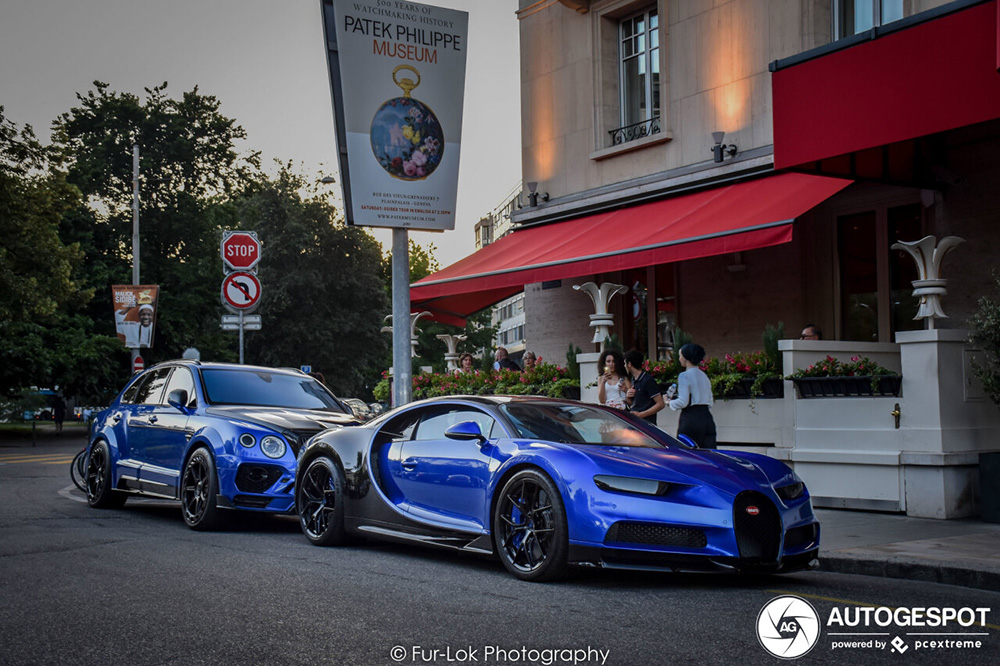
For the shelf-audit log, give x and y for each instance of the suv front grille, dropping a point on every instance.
(255, 478)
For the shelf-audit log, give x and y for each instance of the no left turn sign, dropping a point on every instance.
(241, 291)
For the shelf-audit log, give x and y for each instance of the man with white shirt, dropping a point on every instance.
(137, 333)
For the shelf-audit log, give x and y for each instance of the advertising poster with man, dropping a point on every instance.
(135, 314)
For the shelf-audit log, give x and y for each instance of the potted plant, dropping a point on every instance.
(859, 377)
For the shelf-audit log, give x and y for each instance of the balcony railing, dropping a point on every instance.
(635, 131)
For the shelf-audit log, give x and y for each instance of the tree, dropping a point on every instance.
(322, 297)
(189, 166)
(984, 333)
(44, 340)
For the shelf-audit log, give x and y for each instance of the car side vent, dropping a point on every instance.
(800, 537)
(758, 527)
(656, 534)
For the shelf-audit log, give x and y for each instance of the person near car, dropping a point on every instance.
(530, 360)
(464, 364)
(502, 361)
(643, 398)
(693, 398)
(613, 383)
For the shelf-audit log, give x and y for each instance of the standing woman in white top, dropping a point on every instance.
(694, 399)
(613, 382)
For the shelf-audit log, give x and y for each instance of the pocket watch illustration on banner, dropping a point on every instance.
(407, 139)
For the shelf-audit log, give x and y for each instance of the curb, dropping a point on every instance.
(910, 570)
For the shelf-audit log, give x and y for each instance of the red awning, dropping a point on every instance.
(920, 80)
(731, 218)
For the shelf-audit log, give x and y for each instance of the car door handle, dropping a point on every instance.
(410, 464)
(153, 419)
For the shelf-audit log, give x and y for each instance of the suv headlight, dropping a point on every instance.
(273, 447)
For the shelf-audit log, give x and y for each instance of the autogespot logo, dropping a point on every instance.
(788, 627)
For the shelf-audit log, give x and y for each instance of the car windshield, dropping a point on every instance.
(266, 389)
(573, 423)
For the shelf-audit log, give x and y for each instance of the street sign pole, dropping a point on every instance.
(135, 227)
(401, 350)
(241, 337)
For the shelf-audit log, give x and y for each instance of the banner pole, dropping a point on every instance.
(401, 350)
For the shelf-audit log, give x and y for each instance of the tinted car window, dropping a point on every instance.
(575, 424)
(181, 379)
(433, 425)
(129, 395)
(266, 389)
(151, 391)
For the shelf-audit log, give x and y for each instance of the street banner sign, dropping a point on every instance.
(241, 291)
(240, 250)
(138, 364)
(306, 368)
(135, 313)
(399, 73)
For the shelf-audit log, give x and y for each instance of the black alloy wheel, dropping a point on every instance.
(529, 527)
(100, 494)
(319, 497)
(199, 490)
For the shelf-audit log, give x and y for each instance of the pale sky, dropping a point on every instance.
(265, 60)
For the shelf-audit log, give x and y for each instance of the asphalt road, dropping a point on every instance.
(135, 586)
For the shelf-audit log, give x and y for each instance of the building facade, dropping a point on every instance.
(739, 163)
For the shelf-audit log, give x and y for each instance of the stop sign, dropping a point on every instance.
(138, 364)
(240, 250)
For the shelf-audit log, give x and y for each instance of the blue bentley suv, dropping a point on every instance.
(213, 435)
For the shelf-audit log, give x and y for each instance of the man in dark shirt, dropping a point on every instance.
(644, 397)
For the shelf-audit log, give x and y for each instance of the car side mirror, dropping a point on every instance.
(178, 399)
(687, 441)
(465, 430)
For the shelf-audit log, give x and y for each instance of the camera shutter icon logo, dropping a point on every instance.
(788, 627)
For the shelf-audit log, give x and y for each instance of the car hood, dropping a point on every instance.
(282, 418)
(695, 467)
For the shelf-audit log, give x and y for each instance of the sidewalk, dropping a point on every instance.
(954, 552)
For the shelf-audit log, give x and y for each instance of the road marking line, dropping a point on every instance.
(67, 492)
(859, 603)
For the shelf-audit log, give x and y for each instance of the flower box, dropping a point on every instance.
(847, 387)
(773, 387)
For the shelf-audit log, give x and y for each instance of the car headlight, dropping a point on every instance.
(273, 447)
(791, 491)
(628, 484)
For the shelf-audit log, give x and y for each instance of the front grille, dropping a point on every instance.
(758, 527)
(800, 537)
(656, 534)
(298, 438)
(253, 478)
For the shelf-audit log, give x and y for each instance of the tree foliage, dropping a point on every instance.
(45, 341)
(322, 296)
(984, 333)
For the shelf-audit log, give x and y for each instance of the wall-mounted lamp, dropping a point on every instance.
(533, 195)
(720, 150)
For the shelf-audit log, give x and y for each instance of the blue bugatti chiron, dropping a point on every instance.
(213, 435)
(546, 484)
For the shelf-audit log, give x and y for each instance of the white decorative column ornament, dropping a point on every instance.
(414, 317)
(601, 321)
(452, 342)
(930, 287)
